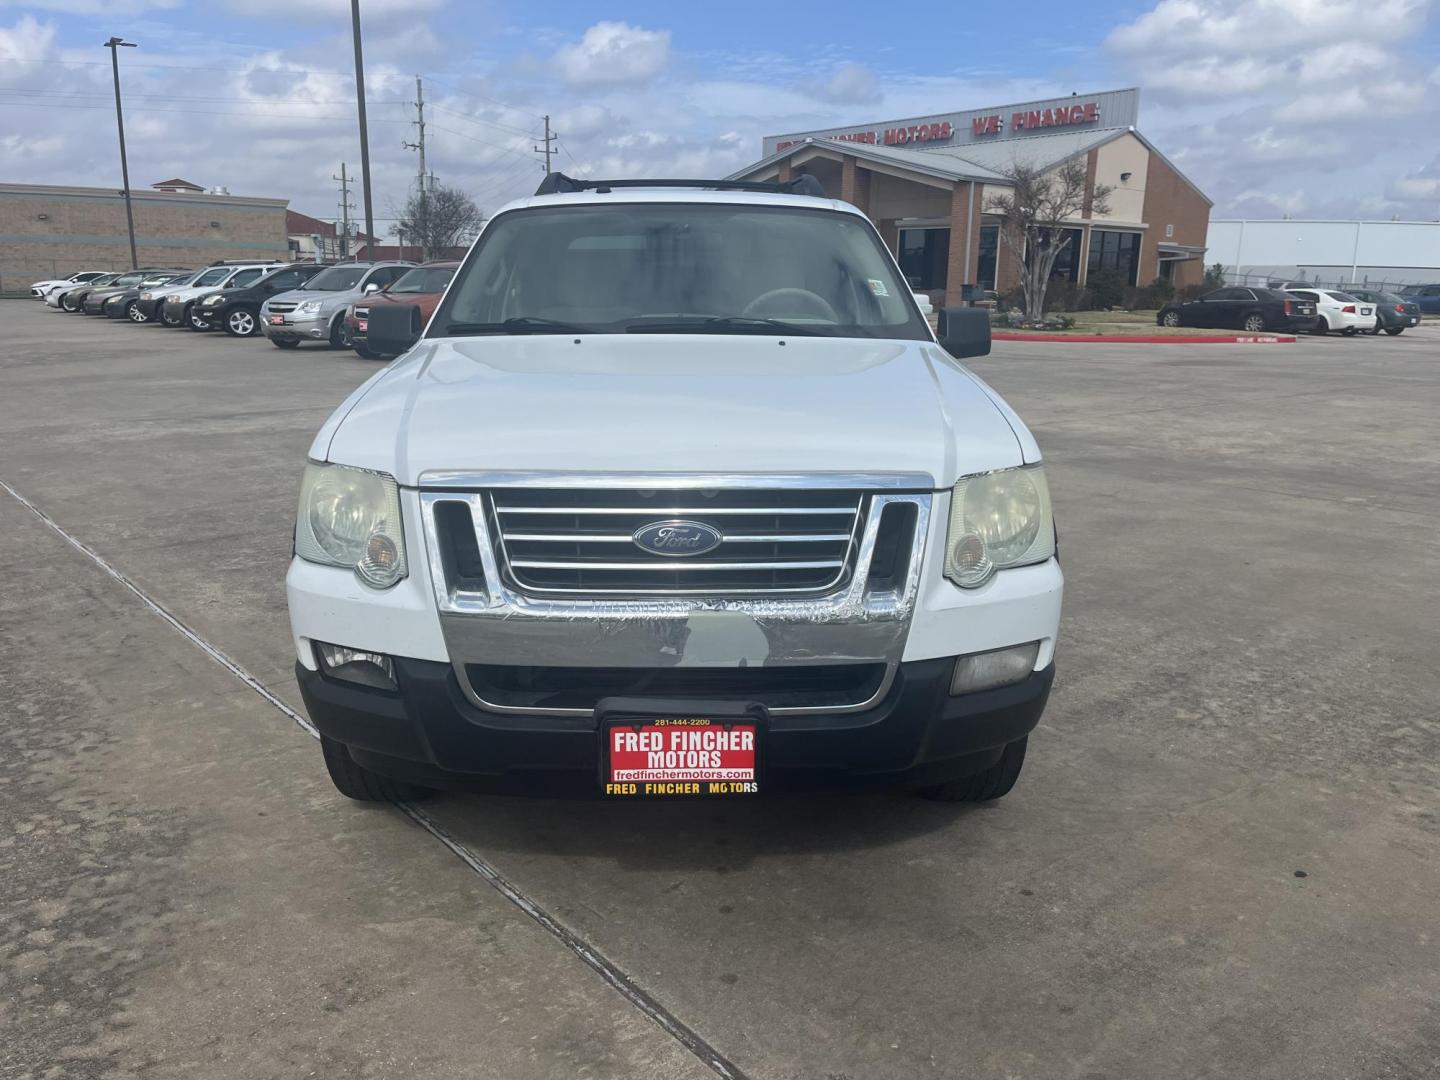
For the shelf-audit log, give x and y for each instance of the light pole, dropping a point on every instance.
(364, 133)
(115, 44)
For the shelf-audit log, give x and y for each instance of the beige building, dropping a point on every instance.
(48, 231)
(926, 183)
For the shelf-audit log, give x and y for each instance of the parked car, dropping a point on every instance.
(1426, 296)
(613, 524)
(125, 304)
(422, 286)
(179, 308)
(55, 297)
(74, 300)
(237, 310)
(316, 311)
(1249, 309)
(95, 299)
(1338, 310)
(38, 289)
(1396, 313)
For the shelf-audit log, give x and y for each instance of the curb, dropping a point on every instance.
(1149, 339)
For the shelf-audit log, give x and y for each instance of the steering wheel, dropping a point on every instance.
(815, 302)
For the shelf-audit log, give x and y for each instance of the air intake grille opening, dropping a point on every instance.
(822, 686)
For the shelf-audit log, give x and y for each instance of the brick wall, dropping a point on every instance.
(1169, 200)
(50, 232)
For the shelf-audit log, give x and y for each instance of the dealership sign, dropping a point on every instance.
(1114, 108)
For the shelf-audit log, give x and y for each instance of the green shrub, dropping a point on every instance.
(1107, 289)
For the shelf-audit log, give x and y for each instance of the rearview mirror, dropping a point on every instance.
(392, 328)
(965, 331)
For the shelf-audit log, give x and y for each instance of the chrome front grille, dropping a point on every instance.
(281, 308)
(562, 541)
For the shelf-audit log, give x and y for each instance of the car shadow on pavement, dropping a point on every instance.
(697, 834)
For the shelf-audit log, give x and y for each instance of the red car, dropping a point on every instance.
(423, 286)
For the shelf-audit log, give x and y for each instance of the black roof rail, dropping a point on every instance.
(558, 184)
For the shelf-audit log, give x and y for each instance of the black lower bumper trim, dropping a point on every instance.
(429, 732)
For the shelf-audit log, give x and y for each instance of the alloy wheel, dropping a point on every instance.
(241, 323)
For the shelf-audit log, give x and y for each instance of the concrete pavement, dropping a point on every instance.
(1245, 694)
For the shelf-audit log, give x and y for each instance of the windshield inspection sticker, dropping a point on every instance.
(878, 287)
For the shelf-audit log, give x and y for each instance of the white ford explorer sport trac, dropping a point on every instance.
(676, 494)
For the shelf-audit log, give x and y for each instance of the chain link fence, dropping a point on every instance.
(1312, 280)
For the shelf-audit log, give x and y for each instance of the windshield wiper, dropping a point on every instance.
(720, 324)
(520, 324)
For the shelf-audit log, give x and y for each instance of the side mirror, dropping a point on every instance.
(392, 328)
(965, 331)
(373, 287)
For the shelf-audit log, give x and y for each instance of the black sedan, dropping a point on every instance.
(1396, 313)
(1252, 310)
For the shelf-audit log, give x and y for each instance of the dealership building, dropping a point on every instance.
(927, 182)
(48, 231)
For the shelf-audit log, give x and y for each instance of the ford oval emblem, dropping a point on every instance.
(677, 538)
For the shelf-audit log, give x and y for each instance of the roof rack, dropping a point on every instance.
(558, 184)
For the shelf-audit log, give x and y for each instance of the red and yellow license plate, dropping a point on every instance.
(690, 756)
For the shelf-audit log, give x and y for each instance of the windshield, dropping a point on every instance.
(680, 268)
(130, 279)
(424, 279)
(336, 279)
(213, 277)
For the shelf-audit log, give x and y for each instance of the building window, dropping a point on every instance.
(1067, 263)
(925, 257)
(989, 249)
(1118, 251)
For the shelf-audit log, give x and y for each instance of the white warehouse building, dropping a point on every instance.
(1326, 252)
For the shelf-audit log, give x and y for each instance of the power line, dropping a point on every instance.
(250, 113)
(489, 123)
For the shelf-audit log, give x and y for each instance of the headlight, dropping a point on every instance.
(351, 517)
(147, 296)
(211, 301)
(997, 520)
(309, 307)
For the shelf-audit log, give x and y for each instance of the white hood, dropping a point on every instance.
(669, 403)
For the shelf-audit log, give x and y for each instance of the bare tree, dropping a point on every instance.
(441, 218)
(1032, 214)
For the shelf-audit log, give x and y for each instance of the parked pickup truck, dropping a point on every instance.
(676, 494)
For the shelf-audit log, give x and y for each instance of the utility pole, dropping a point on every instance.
(419, 122)
(550, 137)
(345, 207)
(115, 44)
(364, 131)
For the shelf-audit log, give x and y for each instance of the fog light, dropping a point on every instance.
(356, 666)
(988, 670)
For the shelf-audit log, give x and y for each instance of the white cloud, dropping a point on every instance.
(327, 11)
(614, 53)
(852, 84)
(93, 7)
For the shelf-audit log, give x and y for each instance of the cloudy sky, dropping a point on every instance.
(1327, 108)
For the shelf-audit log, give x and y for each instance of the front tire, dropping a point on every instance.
(134, 314)
(1254, 323)
(367, 354)
(1170, 318)
(195, 321)
(991, 783)
(340, 334)
(354, 781)
(284, 344)
(66, 304)
(241, 323)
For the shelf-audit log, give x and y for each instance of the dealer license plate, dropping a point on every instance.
(1366, 311)
(687, 756)
(277, 320)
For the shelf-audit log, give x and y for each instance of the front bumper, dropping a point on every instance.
(305, 328)
(150, 308)
(430, 733)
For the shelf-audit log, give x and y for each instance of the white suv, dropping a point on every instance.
(676, 495)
